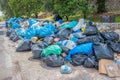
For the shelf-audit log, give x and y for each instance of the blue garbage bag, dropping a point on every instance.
(50, 26)
(32, 21)
(60, 21)
(20, 19)
(74, 39)
(15, 25)
(11, 20)
(47, 30)
(72, 24)
(20, 32)
(44, 32)
(80, 49)
(30, 32)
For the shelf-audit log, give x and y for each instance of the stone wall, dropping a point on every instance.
(111, 5)
(108, 26)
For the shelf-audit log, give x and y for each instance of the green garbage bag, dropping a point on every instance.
(52, 49)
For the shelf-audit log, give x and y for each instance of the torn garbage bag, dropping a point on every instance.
(90, 30)
(114, 46)
(83, 48)
(36, 50)
(110, 36)
(78, 59)
(52, 49)
(67, 43)
(24, 46)
(102, 51)
(54, 61)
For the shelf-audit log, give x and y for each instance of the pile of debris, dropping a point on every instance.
(58, 43)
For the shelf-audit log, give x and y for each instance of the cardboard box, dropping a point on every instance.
(102, 64)
(112, 70)
(109, 67)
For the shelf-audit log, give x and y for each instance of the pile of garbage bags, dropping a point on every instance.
(77, 43)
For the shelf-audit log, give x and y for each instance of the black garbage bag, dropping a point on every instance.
(89, 23)
(49, 40)
(57, 17)
(12, 35)
(9, 31)
(36, 50)
(24, 46)
(113, 36)
(90, 62)
(64, 33)
(54, 61)
(89, 39)
(91, 30)
(114, 46)
(16, 38)
(102, 51)
(78, 59)
(65, 49)
(42, 45)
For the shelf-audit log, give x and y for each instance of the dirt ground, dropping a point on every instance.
(20, 66)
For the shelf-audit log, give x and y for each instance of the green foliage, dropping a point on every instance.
(25, 7)
(64, 8)
(48, 5)
(84, 7)
(0, 18)
(117, 19)
(5, 8)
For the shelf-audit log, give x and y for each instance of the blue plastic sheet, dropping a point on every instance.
(80, 49)
(72, 24)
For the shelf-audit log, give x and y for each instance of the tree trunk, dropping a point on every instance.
(67, 18)
(36, 15)
(84, 15)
